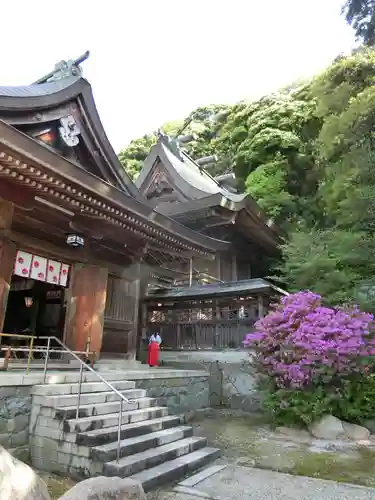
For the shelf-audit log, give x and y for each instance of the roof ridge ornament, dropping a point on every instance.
(171, 143)
(64, 69)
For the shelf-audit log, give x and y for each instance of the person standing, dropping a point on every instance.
(153, 350)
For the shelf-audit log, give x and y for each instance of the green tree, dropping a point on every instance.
(204, 128)
(360, 14)
(133, 156)
(272, 145)
(333, 256)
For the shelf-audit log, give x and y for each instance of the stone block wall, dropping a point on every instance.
(15, 411)
(232, 381)
(54, 449)
(233, 385)
(180, 395)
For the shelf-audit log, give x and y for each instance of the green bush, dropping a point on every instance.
(351, 399)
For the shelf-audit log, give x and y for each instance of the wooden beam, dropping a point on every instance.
(35, 245)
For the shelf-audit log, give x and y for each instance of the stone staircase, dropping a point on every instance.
(155, 447)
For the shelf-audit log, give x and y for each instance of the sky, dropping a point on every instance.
(155, 61)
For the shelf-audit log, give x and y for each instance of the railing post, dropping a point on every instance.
(31, 345)
(119, 432)
(79, 390)
(46, 360)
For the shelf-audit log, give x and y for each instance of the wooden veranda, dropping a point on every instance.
(207, 316)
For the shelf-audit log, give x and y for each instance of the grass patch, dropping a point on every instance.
(359, 470)
(249, 442)
(56, 485)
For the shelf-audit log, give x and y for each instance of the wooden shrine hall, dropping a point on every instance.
(212, 303)
(79, 244)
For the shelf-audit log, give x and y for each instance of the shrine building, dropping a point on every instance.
(80, 244)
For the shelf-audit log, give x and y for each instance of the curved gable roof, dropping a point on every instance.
(191, 179)
(37, 97)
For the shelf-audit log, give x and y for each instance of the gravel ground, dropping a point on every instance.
(246, 441)
(243, 483)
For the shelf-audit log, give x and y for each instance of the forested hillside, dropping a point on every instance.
(307, 155)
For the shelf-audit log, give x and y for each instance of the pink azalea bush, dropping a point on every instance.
(303, 346)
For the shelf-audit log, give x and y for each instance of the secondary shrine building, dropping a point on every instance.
(212, 303)
(79, 243)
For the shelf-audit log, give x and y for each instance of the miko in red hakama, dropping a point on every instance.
(153, 354)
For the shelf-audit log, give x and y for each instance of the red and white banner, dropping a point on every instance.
(53, 272)
(38, 268)
(41, 269)
(23, 264)
(64, 273)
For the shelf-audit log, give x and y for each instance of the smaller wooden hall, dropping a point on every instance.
(211, 303)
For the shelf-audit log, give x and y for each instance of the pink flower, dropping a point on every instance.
(301, 340)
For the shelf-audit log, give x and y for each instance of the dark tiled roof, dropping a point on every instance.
(38, 90)
(189, 177)
(198, 177)
(228, 288)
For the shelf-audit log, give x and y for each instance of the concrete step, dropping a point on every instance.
(135, 414)
(128, 466)
(118, 364)
(108, 452)
(87, 399)
(174, 469)
(72, 376)
(87, 387)
(109, 434)
(86, 411)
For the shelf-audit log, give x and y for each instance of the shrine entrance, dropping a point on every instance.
(36, 302)
(34, 308)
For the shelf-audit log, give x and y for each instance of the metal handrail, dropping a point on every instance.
(23, 337)
(82, 366)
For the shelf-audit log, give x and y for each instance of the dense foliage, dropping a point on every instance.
(315, 360)
(306, 155)
(332, 254)
(203, 127)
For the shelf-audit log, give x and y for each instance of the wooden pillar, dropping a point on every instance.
(133, 333)
(234, 268)
(217, 325)
(218, 267)
(85, 315)
(144, 325)
(260, 306)
(7, 256)
(178, 336)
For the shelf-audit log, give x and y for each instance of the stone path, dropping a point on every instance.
(242, 483)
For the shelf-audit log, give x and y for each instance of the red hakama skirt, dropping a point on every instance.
(153, 354)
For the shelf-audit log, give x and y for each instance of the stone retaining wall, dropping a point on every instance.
(180, 395)
(232, 381)
(15, 410)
